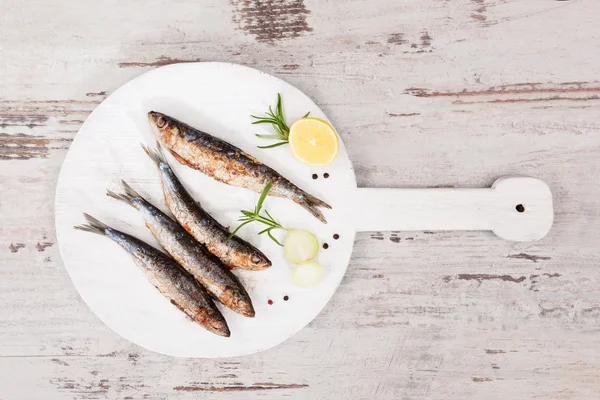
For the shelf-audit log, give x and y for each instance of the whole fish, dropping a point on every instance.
(235, 253)
(227, 163)
(208, 270)
(168, 277)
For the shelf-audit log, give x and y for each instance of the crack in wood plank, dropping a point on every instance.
(404, 115)
(159, 62)
(239, 387)
(59, 362)
(16, 119)
(534, 100)
(517, 93)
(94, 94)
(553, 312)
(425, 39)
(479, 13)
(530, 257)
(395, 39)
(377, 236)
(94, 387)
(513, 88)
(14, 247)
(21, 146)
(42, 246)
(555, 275)
(50, 125)
(271, 20)
(484, 277)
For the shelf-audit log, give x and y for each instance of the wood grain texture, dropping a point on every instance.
(428, 93)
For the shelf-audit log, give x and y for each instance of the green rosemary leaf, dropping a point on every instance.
(247, 213)
(249, 216)
(272, 219)
(236, 230)
(263, 196)
(280, 108)
(280, 132)
(265, 121)
(272, 145)
(270, 136)
(276, 118)
(273, 237)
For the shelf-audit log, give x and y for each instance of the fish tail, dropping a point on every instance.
(315, 201)
(311, 204)
(93, 225)
(156, 154)
(128, 197)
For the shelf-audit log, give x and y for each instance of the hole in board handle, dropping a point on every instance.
(520, 208)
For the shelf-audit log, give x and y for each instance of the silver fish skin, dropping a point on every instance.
(206, 268)
(167, 276)
(226, 163)
(235, 253)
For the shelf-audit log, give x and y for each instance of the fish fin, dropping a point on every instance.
(127, 197)
(129, 190)
(311, 204)
(156, 154)
(181, 159)
(93, 225)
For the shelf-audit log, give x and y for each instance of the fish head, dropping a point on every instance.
(163, 125)
(218, 326)
(246, 309)
(250, 258)
(238, 300)
(212, 320)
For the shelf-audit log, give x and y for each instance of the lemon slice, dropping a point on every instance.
(313, 141)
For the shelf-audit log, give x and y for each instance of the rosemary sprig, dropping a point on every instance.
(277, 120)
(252, 216)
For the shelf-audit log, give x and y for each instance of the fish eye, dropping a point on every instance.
(255, 259)
(161, 121)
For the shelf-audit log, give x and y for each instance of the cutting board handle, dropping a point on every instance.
(514, 208)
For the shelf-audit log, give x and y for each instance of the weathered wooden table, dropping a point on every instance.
(424, 93)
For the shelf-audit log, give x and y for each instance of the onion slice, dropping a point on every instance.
(307, 274)
(300, 246)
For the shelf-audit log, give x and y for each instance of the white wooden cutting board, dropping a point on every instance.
(219, 98)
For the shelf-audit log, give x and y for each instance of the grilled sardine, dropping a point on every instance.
(227, 163)
(208, 270)
(235, 253)
(167, 276)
